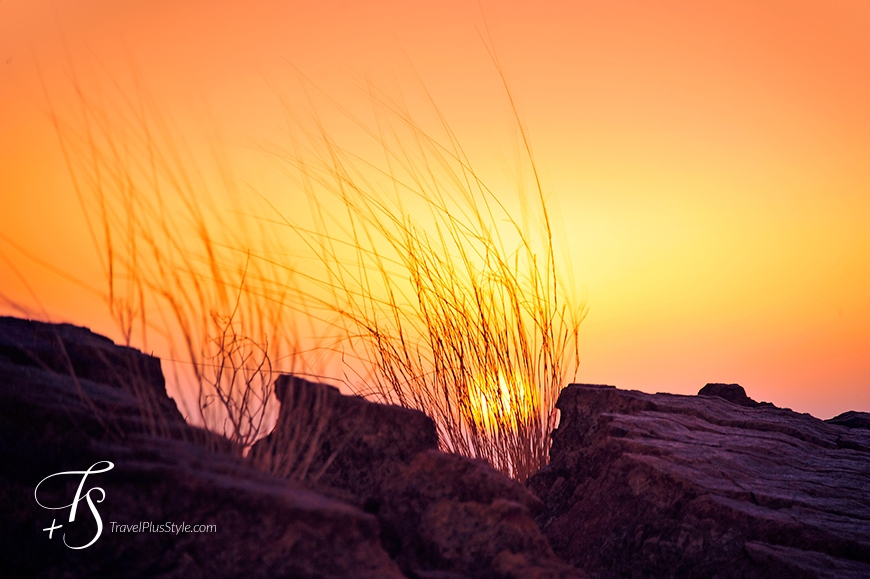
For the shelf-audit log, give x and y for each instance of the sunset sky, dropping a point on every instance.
(709, 162)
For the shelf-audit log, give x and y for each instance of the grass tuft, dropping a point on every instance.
(440, 295)
(446, 301)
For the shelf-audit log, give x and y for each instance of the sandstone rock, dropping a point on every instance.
(496, 539)
(659, 485)
(71, 370)
(359, 444)
(852, 419)
(66, 403)
(731, 392)
(441, 515)
(430, 512)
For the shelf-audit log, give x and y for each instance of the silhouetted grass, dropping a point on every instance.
(448, 302)
(444, 300)
(176, 272)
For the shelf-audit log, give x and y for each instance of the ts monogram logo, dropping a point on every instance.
(73, 506)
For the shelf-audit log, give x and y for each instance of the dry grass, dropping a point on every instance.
(448, 303)
(177, 274)
(442, 299)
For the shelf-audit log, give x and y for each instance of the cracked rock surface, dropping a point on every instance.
(661, 485)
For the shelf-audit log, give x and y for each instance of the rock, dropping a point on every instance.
(441, 515)
(114, 389)
(74, 351)
(429, 512)
(852, 419)
(70, 399)
(732, 393)
(496, 539)
(660, 485)
(359, 444)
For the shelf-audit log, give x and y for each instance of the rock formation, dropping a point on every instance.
(733, 393)
(852, 419)
(70, 399)
(660, 485)
(639, 485)
(441, 515)
(364, 494)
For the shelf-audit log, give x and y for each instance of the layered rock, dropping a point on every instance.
(852, 419)
(70, 399)
(441, 515)
(660, 485)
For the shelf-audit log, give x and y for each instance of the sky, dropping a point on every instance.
(709, 162)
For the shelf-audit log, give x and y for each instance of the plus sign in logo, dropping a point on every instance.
(79, 496)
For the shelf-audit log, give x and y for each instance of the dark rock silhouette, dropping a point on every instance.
(53, 419)
(364, 444)
(852, 419)
(380, 498)
(732, 393)
(441, 515)
(639, 485)
(659, 485)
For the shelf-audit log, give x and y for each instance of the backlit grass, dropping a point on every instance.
(433, 289)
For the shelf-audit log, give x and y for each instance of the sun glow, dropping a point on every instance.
(501, 404)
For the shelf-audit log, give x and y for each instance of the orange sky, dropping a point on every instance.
(710, 160)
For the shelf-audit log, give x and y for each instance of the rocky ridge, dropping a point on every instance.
(378, 500)
(441, 515)
(70, 399)
(639, 485)
(661, 485)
